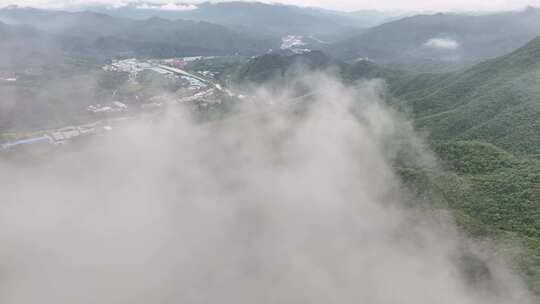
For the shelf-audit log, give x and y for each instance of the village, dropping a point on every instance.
(171, 68)
(200, 90)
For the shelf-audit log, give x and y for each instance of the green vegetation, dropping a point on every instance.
(492, 194)
(471, 157)
(497, 101)
(274, 67)
(484, 125)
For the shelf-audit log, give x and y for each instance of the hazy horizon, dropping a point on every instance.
(345, 5)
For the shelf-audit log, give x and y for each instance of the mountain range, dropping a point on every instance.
(96, 33)
(497, 101)
(421, 43)
(441, 42)
(254, 17)
(478, 103)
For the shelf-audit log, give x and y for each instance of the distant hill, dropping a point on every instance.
(271, 67)
(24, 46)
(80, 24)
(442, 41)
(484, 124)
(255, 18)
(497, 101)
(156, 37)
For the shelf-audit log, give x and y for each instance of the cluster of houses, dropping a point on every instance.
(178, 63)
(198, 96)
(294, 43)
(114, 107)
(134, 66)
(181, 62)
(55, 137)
(131, 66)
(208, 74)
(193, 84)
(61, 136)
(202, 94)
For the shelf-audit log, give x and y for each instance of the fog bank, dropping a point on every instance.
(271, 208)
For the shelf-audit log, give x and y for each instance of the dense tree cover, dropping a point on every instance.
(473, 157)
(483, 125)
(496, 101)
(497, 204)
(275, 67)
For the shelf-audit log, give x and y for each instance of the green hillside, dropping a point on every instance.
(484, 126)
(497, 101)
(272, 67)
(492, 194)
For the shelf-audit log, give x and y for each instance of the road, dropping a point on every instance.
(188, 74)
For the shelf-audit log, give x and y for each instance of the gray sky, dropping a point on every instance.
(430, 5)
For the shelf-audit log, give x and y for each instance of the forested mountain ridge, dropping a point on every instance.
(100, 33)
(255, 17)
(270, 67)
(441, 41)
(482, 123)
(497, 101)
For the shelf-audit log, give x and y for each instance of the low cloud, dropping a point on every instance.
(442, 44)
(273, 206)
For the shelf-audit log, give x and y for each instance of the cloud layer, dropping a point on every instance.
(280, 207)
(442, 43)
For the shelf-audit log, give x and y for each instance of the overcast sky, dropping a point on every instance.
(427, 5)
